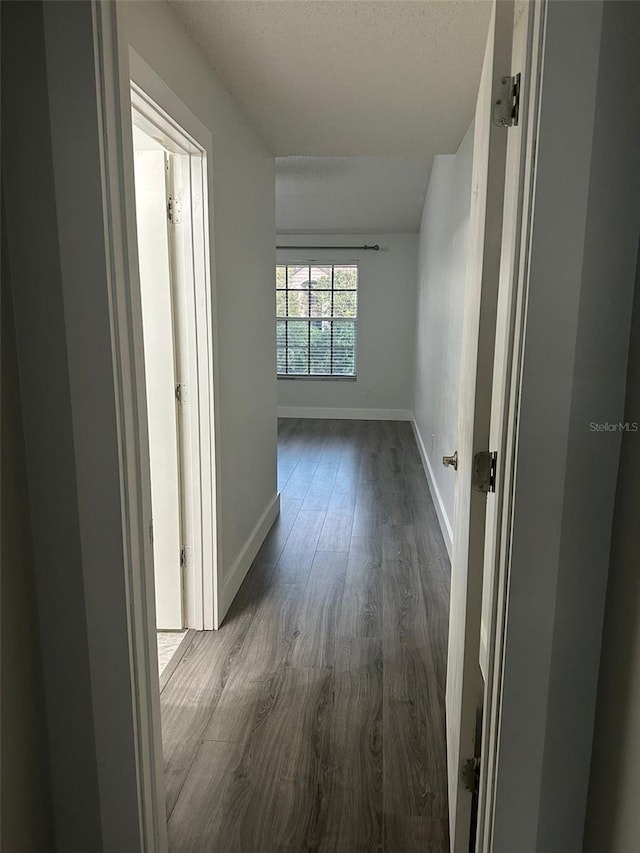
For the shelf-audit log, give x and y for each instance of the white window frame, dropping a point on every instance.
(332, 377)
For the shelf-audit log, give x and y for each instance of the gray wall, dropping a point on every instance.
(56, 249)
(386, 324)
(613, 813)
(26, 824)
(35, 270)
(442, 272)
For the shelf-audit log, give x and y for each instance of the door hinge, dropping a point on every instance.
(181, 393)
(506, 101)
(185, 557)
(470, 774)
(151, 531)
(483, 476)
(174, 210)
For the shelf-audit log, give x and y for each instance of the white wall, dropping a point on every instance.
(243, 229)
(442, 268)
(386, 324)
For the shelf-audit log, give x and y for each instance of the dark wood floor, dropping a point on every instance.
(314, 719)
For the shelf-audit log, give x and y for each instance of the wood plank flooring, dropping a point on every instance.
(314, 719)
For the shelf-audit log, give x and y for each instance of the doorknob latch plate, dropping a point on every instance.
(483, 476)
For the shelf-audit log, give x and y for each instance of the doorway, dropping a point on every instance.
(170, 169)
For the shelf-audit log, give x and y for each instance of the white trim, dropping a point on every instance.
(176, 114)
(516, 282)
(124, 301)
(201, 604)
(345, 414)
(159, 105)
(443, 518)
(242, 564)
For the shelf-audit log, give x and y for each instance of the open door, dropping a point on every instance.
(518, 201)
(465, 686)
(160, 355)
(172, 220)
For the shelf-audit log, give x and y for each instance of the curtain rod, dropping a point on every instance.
(375, 248)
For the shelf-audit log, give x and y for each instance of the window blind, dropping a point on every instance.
(316, 319)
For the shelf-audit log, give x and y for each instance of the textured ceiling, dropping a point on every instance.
(354, 97)
(349, 194)
(347, 77)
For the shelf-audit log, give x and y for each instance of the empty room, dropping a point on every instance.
(314, 716)
(319, 367)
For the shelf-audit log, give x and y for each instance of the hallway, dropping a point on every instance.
(314, 719)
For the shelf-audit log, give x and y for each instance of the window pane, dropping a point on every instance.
(321, 277)
(344, 352)
(321, 347)
(298, 346)
(298, 333)
(298, 303)
(320, 303)
(345, 304)
(310, 341)
(299, 278)
(298, 362)
(281, 346)
(345, 277)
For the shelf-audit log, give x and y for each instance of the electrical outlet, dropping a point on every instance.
(368, 391)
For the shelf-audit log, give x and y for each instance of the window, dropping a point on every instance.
(316, 319)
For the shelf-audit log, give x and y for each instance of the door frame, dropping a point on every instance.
(516, 282)
(464, 687)
(155, 107)
(519, 189)
(113, 86)
(560, 112)
(116, 66)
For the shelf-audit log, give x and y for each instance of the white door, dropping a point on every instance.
(160, 379)
(526, 58)
(465, 689)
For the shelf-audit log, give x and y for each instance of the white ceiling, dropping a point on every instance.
(349, 194)
(347, 79)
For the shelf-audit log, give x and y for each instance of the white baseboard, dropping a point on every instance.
(345, 414)
(242, 564)
(443, 518)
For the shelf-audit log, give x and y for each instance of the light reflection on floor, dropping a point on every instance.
(168, 642)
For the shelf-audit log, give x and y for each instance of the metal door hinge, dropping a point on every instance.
(471, 775)
(506, 101)
(185, 557)
(181, 393)
(483, 476)
(174, 210)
